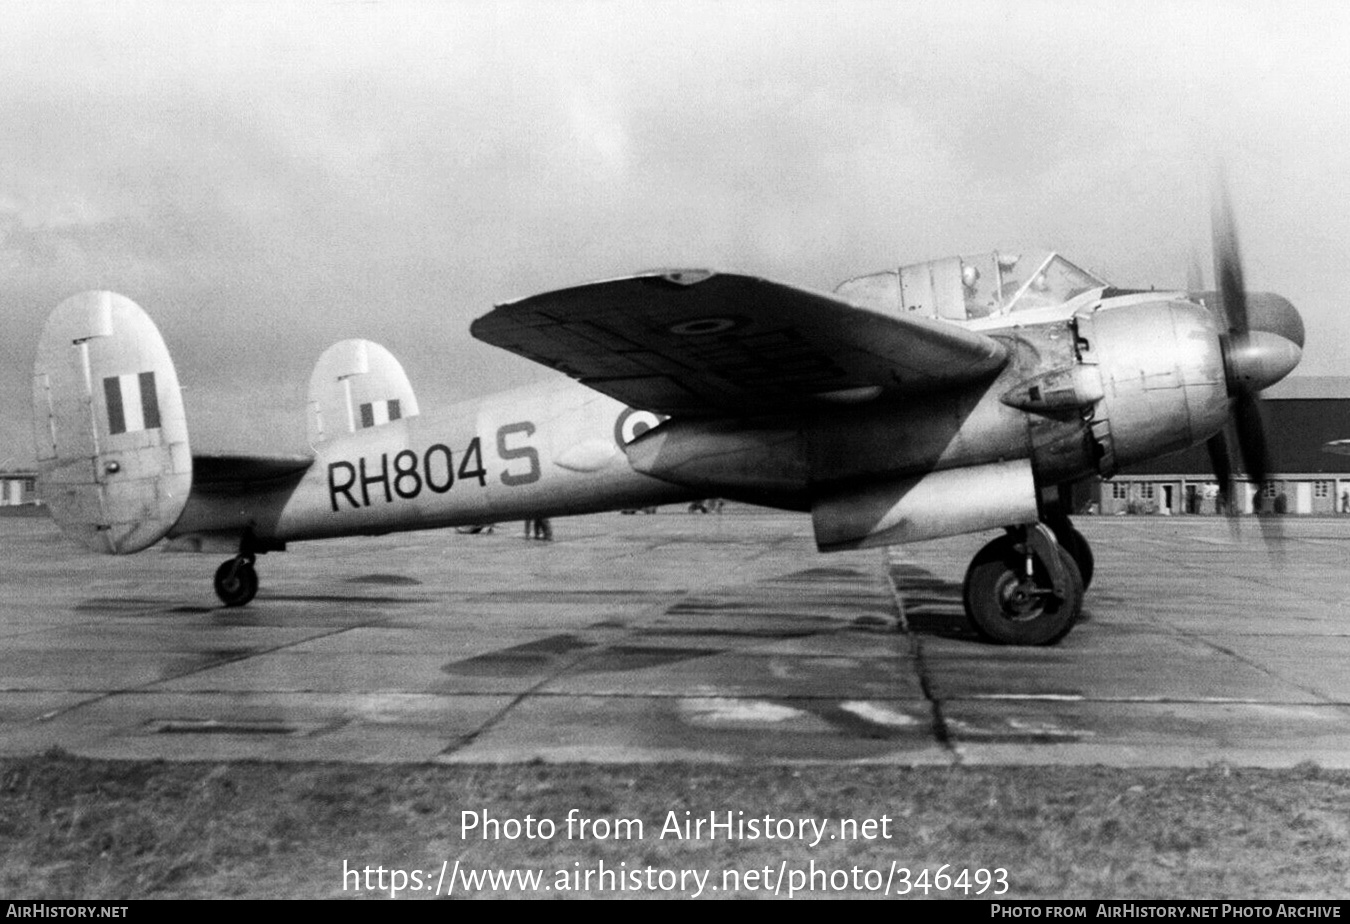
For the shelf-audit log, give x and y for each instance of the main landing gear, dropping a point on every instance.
(1072, 541)
(1026, 587)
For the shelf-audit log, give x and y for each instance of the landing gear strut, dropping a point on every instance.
(237, 580)
(1024, 588)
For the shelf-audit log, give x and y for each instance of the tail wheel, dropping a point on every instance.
(236, 581)
(1008, 606)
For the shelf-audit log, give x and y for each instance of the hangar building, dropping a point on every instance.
(18, 488)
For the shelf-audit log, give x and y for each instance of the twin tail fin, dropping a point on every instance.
(114, 466)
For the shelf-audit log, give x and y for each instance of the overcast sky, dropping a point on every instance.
(265, 179)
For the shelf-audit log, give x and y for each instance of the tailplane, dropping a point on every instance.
(114, 466)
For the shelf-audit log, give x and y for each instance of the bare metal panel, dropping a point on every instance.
(1163, 377)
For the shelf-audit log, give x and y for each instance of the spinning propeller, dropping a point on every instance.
(1262, 344)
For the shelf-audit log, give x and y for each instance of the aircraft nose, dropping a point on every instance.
(1274, 314)
(1260, 358)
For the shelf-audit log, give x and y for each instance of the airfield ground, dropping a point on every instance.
(704, 663)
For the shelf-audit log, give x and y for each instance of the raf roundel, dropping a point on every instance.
(702, 327)
(633, 423)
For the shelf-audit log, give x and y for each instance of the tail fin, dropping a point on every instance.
(114, 465)
(357, 384)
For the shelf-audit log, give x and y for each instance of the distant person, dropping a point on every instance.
(1345, 502)
(538, 528)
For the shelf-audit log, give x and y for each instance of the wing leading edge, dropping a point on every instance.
(703, 343)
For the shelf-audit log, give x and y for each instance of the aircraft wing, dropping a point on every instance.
(711, 344)
(238, 474)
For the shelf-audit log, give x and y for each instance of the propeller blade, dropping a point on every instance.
(1195, 276)
(1223, 469)
(1228, 260)
(1253, 359)
(1251, 434)
(1256, 455)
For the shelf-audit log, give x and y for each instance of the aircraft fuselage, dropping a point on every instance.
(552, 449)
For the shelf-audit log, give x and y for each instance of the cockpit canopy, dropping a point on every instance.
(968, 288)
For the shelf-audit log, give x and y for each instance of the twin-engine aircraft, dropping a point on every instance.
(947, 397)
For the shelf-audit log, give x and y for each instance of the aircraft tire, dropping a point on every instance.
(1002, 609)
(1081, 553)
(237, 584)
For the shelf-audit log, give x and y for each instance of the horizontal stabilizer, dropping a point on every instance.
(244, 473)
(114, 466)
(357, 384)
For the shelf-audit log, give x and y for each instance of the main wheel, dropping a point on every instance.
(1006, 607)
(236, 582)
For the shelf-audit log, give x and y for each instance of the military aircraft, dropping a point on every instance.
(953, 396)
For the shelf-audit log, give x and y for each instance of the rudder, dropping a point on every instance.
(114, 466)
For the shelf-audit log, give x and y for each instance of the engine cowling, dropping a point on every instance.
(1163, 382)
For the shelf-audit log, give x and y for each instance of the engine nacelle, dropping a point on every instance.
(761, 463)
(928, 506)
(1163, 381)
